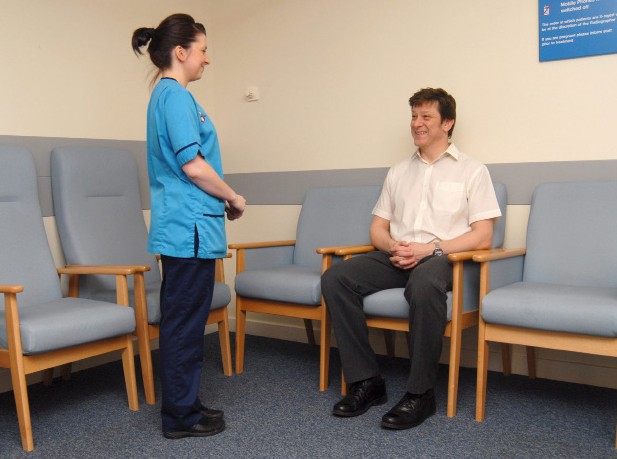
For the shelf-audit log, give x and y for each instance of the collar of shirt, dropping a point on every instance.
(451, 150)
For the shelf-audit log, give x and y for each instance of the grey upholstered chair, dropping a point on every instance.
(284, 277)
(100, 221)
(561, 292)
(388, 309)
(39, 329)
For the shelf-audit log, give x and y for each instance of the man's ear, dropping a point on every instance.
(447, 125)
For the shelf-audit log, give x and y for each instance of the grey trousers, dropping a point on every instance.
(345, 285)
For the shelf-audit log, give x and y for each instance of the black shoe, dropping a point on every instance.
(410, 412)
(210, 413)
(361, 396)
(204, 428)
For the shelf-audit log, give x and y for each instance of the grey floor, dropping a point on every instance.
(275, 410)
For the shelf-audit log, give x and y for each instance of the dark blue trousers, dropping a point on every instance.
(186, 296)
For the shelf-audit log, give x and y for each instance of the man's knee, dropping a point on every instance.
(426, 281)
(331, 278)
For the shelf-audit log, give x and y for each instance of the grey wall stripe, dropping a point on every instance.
(288, 188)
(41, 147)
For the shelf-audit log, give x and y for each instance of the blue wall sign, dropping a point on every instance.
(576, 28)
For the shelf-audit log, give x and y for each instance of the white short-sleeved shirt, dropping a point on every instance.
(438, 201)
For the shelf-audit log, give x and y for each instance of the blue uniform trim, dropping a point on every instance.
(184, 148)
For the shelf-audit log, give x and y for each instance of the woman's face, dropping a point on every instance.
(197, 59)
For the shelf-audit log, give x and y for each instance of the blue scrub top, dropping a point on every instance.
(186, 222)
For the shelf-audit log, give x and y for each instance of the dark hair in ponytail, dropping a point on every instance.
(175, 30)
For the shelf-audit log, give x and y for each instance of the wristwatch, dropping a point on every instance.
(438, 251)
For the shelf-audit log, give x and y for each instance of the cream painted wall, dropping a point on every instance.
(335, 77)
(69, 70)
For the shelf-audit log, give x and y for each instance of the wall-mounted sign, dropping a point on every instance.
(576, 28)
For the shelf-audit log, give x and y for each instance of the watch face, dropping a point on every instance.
(438, 252)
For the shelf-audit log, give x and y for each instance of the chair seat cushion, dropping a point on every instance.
(551, 307)
(291, 283)
(392, 303)
(221, 296)
(68, 322)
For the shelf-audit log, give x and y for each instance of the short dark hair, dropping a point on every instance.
(175, 30)
(445, 103)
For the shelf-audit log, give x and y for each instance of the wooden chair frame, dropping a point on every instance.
(21, 365)
(460, 321)
(306, 312)
(524, 336)
(146, 332)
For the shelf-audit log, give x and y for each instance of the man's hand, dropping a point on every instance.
(407, 255)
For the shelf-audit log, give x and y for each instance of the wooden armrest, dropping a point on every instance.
(464, 256)
(117, 270)
(498, 255)
(11, 288)
(339, 249)
(261, 245)
(354, 249)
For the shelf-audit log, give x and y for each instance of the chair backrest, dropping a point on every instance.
(333, 216)
(98, 213)
(25, 256)
(499, 231)
(571, 234)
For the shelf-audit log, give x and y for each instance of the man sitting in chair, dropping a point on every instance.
(436, 202)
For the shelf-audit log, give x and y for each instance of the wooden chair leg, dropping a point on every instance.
(128, 365)
(531, 362)
(388, 336)
(65, 370)
(505, 358)
(20, 391)
(223, 326)
(48, 377)
(455, 362)
(324, 352)
(482, 376)
(343, 384)
(145, 360)
(310, 333)
(240, 335)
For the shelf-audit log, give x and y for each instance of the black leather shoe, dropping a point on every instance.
(210, 413)
(410, 412)
(361, 396)
(204, 428)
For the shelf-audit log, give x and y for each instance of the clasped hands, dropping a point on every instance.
(407, 255)
(235, 208)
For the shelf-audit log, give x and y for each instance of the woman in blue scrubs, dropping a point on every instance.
(189, 201)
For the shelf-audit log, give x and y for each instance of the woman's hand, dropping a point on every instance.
(235, 207)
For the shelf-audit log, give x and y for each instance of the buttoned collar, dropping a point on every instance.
(451, 151)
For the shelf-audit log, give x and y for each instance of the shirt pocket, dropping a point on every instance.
(448, 196)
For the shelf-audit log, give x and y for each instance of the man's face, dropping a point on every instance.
(427, 127)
